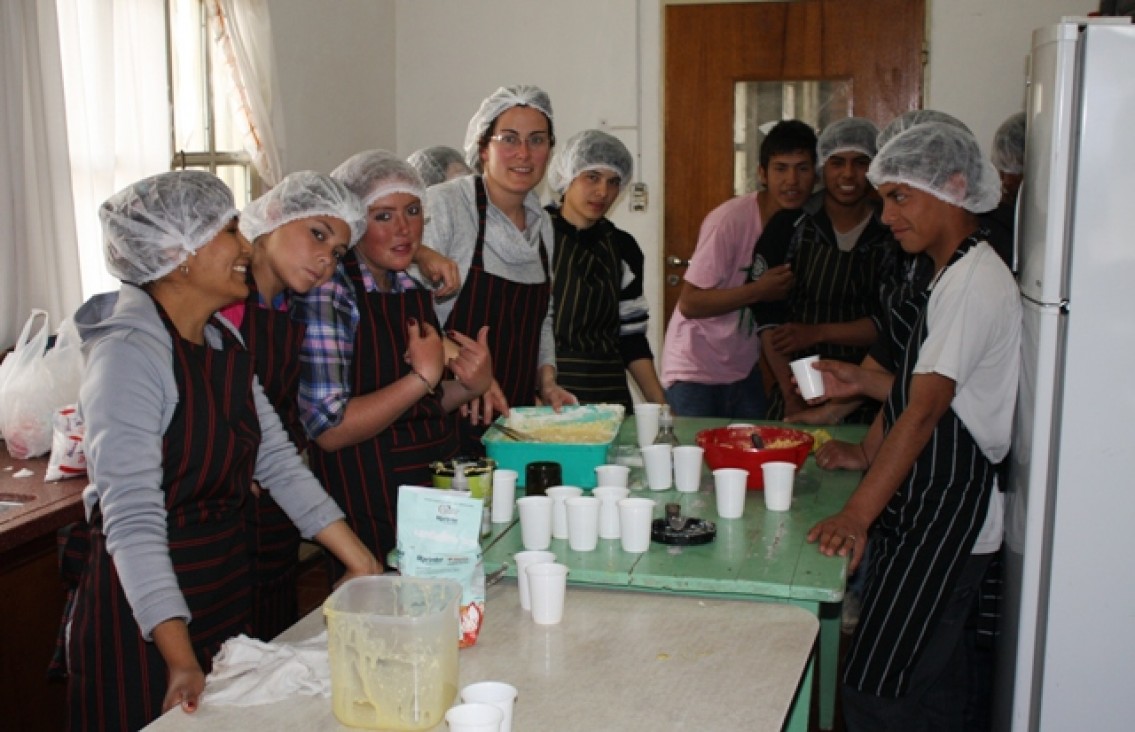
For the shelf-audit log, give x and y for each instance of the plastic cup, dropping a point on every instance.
(646, 422)
(609, 497)
(504, 495)
(687, 468)
(535, 521)
(810, 381)
(635, 515)
(779, 478)
(524, 560)
(659, 466)
(559, 494)
(474, 718)
(729, 487)
(499, 694)
(547, 585)
(616, 475)
(541, 475)
(583, 522)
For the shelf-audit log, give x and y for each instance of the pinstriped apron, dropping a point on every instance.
(118, 680)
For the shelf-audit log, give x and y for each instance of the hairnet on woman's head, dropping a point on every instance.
(300, 196)
(943, 160)
(1009, 145)
(376, 173)
(850, 134)
(433, 163)
(496, 104)
(906, 120)
(151, 226)
(589, 150)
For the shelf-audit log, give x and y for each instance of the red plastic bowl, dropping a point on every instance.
(732, 447)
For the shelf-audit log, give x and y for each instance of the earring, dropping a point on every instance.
(184, 269)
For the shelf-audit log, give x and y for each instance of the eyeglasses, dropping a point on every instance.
(512, 141)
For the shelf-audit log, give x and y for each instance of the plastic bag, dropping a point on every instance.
(68, 460)
(439, 538)
(37, 384)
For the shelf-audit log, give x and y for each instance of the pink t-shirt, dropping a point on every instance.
(717, 350)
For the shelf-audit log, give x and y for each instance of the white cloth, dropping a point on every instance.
(249, 672)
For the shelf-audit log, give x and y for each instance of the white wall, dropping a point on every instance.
(403, 74)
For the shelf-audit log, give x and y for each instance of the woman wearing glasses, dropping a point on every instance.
(492, 225)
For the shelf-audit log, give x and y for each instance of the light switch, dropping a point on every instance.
(638, 197)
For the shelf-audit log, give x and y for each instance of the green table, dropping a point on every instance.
(762, 556)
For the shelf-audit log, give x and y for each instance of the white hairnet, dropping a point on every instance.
(376, 173)
(299, 196)
(494, 106)
(151, 226)
(1009, 145)
(850, 134)
(589, 150)
(931, 157)
(906, 120)
(433, 163)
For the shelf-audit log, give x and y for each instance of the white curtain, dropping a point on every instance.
(242, 31)
(38, 262)
(118, 129)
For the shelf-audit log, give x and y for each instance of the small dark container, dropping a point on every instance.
(540, 476)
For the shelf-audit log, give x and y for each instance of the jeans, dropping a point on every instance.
(744, 399)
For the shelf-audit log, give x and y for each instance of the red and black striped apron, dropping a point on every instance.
(274, 339)
(364, 478)
(924, 537)
(117, 679)
(514, 312)
(586, 291)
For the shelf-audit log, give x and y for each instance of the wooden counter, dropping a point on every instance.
(31, 591)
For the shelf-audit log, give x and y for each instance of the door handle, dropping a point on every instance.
(673, 261)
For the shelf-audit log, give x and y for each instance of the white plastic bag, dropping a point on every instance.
(68, 460)
(36, 385)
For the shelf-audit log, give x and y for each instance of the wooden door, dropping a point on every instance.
(877, 44)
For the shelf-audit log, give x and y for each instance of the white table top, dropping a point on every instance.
(619, 661)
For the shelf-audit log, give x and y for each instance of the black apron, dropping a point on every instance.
(923, 538)
(586, 322)
(274, 339)
(515, 314)
(364, 478)
(117, 679)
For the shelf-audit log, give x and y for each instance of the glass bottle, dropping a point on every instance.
(665, 434)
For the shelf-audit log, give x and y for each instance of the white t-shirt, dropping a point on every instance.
(973, 336)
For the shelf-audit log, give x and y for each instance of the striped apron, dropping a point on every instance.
(586, 291)
(274, 339)
(117, 679)
(364, 478)
(514, 312)
(923, 538)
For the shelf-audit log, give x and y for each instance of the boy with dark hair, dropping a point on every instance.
(709, 360)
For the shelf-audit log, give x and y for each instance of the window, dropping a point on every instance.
(206, 133)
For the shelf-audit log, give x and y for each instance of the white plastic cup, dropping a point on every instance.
(559, 494)
(474, 718)
(535, 521)
(614, 475)
(504, 495)
(583, 522)
(524, 560)
(687, 468)
(499, 694)
(729, 485)
(635, 515)
(609, 497)
(646, 422)
(810, 381)
(779, 479)
(659, 466)
(547, 585)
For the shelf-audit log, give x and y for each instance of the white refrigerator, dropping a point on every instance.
(1067, 652)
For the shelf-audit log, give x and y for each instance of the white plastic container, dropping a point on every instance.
(392, 647)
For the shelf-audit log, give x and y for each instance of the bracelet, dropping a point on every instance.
(429, 387)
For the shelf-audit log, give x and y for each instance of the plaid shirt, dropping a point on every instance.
(332, 318)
